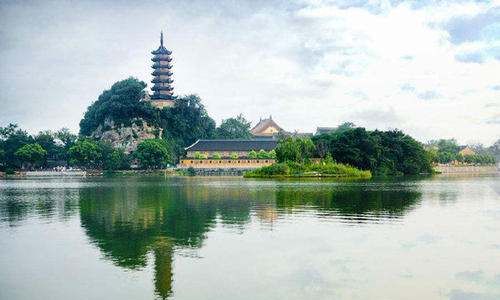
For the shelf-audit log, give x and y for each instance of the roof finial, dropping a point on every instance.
(161, 39)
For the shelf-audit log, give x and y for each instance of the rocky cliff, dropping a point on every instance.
(126, 137)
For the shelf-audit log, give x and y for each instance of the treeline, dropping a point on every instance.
(180, 126)
(446, 151)
(20, 150)
(382, 152)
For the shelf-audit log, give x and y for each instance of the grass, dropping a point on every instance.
(319, 169)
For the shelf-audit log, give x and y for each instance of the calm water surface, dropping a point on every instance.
(231, 238)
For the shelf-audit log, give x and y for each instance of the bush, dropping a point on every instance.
(199, 155)
(321, 169)
(262, 154)
(252, 154)
(216, 155)
(234, 155)
(276, 169)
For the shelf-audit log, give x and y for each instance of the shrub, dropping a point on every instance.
(216, 155)
(252, 154)
(262, 154)
(199, 155)
(234, 155)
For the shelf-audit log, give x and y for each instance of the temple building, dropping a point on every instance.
(163, 90)
(228, 154)
(266, 128)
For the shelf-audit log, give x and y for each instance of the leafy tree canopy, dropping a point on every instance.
(291, 149)
(234, 128)
(121, 104)
(31, 154)
(85, 153)
(382, 152)
(186, 122)
(153, 153)
(11, 139)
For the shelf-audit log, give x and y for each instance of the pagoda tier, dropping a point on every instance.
(162, 72)
(159, 80)
(159, 65)
(162, 88)
(161, 58)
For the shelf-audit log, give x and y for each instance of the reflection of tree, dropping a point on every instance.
(19, 204)
(127, 221)
(130, 219)
(351, 201)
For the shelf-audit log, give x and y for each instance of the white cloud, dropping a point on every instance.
(310, 63)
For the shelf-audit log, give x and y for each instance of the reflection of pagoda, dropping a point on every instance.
(163, 253)
(163, 91)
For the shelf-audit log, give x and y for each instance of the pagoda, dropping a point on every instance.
(163, 91)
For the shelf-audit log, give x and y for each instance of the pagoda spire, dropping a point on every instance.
(162, 73)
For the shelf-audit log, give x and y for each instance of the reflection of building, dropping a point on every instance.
(163, 253)
(163, 91)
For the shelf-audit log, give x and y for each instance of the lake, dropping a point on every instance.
(234, 238)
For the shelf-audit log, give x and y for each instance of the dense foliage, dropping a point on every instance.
(31, 155)
(121, 104)
(55, 144)
(186, 122)
(85, 153)
(153, 153)
(382, 152)
(234, 128)
(298, 150)
(323, 168)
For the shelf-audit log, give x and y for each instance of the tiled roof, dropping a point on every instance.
(263, 125)
(233, 145)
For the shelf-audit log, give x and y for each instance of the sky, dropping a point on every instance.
(429, 68)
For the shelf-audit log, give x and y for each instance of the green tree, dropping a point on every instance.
(32, 155)
(55, 152)
(66, 137)
(234, 128)
(85, 153)
(382, 152)
(11, 139)
(121, 104)
(153, 153)
(186, 122)
(112, 158)
(292, 149)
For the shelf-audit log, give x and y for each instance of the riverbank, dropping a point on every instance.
(466, 169)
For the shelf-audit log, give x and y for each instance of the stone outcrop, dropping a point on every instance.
(126, 137)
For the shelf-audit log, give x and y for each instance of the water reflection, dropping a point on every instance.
(128, 219)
